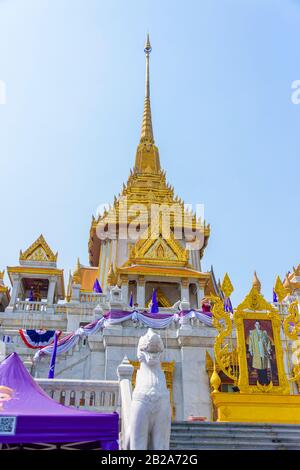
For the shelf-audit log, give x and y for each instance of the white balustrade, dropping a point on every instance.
(97, 395)
(40, 307)
(92, 298)
(28, 306)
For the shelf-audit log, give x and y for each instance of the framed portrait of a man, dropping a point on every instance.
(260, 352)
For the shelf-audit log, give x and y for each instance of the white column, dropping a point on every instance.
(200, 295)
(124, 292)
(185, 293)
(15, 289)
(141, 293)
(51, 291)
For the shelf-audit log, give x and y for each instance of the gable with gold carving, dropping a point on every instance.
(39, 251)
(159, 251)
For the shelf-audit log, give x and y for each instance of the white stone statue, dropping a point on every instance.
(150, 413)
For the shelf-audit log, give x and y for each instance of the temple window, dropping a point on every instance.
(92, 399)
(62, 398)
(72, 398)
(82, 399)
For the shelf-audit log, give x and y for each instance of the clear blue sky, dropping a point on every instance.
(228, 133)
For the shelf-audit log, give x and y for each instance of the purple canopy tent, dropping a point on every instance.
(33, 417)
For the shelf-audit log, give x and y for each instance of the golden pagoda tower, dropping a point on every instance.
(133, 241)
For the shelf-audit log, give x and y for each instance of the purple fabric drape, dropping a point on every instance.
(41, 419)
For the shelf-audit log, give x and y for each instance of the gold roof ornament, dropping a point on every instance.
(39, 251)
(147, 156)
(256, 283)
(227, 286)
(147, 130)
(76, 274)
(111, 276)
(215, 380)
(2, 275)
(287, 285)
(279, 289)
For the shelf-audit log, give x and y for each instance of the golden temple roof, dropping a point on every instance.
(39, 251)
(146, 186)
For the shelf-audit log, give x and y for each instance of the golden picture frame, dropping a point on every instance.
(261, 365)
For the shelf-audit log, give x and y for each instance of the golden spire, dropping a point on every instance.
(147, 156)
(256, 282)
(147, 130)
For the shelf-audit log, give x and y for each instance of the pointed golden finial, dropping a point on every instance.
(279, 289)
(215, 380)
(287, 285)
(256, 282)
(111, 276)
(147, 130)
(76, 274)
(147, 155)
(227, 286)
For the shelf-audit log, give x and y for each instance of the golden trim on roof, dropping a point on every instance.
(34, 270)
(163, 271)
(38, 251)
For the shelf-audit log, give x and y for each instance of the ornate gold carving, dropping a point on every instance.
(145, 252)
(279, 290)
(255, 301)
(293, 318)
(223, 323)
(39, 251)
(265, 388)
(227, 287)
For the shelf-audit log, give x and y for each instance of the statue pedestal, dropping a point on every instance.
(254, 408)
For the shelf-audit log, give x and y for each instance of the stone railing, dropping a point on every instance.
(92, 298)
(28, 306)
(97, 395)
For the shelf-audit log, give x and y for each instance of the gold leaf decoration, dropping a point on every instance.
(227, 286)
